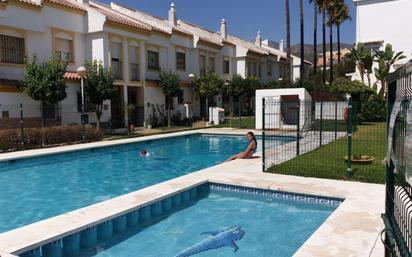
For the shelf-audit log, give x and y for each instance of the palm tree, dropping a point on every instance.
(342, 15)
(288, 50)
(315, 35)
(322, 4)
(363, 59)
(331, 10)
(302, 44)
(386, 58)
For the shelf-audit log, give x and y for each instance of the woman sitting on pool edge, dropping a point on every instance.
(250, 150)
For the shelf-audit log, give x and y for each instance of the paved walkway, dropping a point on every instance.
(352, 230)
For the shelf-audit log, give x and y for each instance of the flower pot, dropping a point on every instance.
(361, 159)
(149, 126)
(131, 127)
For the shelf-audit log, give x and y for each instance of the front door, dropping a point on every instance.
(117, 109)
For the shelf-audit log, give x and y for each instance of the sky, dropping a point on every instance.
(245, 17)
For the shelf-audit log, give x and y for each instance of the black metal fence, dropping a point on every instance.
(322, 139)
(398, 211)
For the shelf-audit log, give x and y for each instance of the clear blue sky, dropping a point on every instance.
(245, 17)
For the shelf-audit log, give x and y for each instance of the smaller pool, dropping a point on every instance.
(210, 220)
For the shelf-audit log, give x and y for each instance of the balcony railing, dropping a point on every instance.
(134, 72)
(117, 70)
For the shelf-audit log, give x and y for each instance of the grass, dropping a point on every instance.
(244, 122)
(327, 161)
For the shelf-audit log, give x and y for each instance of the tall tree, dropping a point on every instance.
(302, 44)
(331, 6)
(315, 36)
(322, 7)
(386, 59)
(98, 86)
(44, 82)
(288, 49)
(342, 15)
(169, 83)
(206, 86)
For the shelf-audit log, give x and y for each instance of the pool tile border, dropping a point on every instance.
(290, 196)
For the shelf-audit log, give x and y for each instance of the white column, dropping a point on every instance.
(126, 75)
(142, 66)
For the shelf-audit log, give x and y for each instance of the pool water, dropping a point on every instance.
(39, 188)
(272, 227)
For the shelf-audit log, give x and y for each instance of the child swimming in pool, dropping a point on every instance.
(144, 153)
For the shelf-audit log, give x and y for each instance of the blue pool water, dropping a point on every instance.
(39, 188)
(272, 226)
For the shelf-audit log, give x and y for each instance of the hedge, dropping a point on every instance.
(49, 136)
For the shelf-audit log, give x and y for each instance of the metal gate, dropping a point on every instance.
(398, 213)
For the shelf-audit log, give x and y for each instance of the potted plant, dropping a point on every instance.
(130, 109)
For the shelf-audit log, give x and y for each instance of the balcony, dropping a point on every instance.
(134, 72)
(117, 69)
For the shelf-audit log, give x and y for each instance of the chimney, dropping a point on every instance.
(281, 45)
(223, 29)
(83, 1)
(258, 41)
(172, 15)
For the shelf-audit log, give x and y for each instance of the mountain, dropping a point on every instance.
(295, 49)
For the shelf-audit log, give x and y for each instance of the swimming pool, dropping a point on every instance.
(209, 220)
(38, 188)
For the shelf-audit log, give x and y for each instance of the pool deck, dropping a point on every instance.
(352, 230)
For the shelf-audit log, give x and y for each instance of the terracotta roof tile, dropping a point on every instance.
(157, 23)
(72, 75)
(203, 34)
(116, 17)
(68, 3)
(26, 2)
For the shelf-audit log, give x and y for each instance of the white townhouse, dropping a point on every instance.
(379, 22)
(136, 45)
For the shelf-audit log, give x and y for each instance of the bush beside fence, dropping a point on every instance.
(11, 139)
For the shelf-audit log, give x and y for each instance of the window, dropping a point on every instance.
(180, 96)
(259, 70)
(153, 60)
(63, 49)
(211, 64)
(248, 69)
(116, 63)
(88, 107)
(134, 63)
(226, 65)
(202, 64)
(269, 69)
(255, 69)
(12, 49)
(180, 61)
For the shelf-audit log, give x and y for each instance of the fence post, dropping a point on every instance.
(21, 127)
(263, 134)
(349, 169)
(321, 124)
(298, 132)
(336, 119)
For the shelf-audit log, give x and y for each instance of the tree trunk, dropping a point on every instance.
(324, 45)
(315, 38)
(98, 115)
(331, 54)
(338, 34)
(169, 122)
(302, 44)
(288, 50)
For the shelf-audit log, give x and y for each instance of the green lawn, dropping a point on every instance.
(245, 122)
(327, 161)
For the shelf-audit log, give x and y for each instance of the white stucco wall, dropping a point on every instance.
(385, 20)
(273, 113)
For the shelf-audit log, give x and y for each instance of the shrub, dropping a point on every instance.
(33, 137)
(9, 139)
